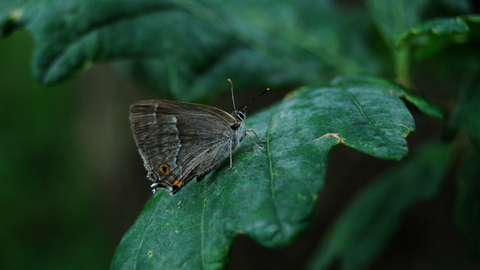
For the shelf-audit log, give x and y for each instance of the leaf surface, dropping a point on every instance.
(395, 89)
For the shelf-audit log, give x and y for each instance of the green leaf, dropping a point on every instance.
(395, 16)
(371, 219)
(270, 194)
(467, 113)
(187, 46)
(430, 37)
(391, 18)
(467, 206)
(395, 89)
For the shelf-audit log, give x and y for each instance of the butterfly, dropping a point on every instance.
(179, 141)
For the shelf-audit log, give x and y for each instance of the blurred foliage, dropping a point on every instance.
(468, 202)
(185, 50)
(375, 214)
(46, 205)
(189, 44)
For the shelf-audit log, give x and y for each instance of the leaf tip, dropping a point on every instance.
(408, 128)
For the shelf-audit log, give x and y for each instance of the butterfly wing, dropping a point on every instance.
(179, 140)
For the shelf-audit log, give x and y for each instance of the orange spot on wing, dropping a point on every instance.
(177, 183)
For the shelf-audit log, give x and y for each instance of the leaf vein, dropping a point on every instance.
(272, 175)
(358, 105)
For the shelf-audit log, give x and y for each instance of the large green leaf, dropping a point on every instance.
(431, 36)
(190, 44)
(467, 208)
(371, 219)
(270, 194)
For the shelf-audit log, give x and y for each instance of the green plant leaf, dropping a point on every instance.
(270, 194)
(187, 46)
(371, 219)
(394, 17)
(430, 37)
(467, 206)
(395, 89)
(467, 113)
(391, 18)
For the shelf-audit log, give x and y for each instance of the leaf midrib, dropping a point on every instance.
(270, 166)
(358, 105)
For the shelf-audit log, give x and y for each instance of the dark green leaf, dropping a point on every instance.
(391, 18)
(395, 89)
(270, 194)
(394, 17)
(431, 36)
(467, 208)
(371, 219)
(190, 45)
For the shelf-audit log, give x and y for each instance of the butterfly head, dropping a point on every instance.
(241, 113)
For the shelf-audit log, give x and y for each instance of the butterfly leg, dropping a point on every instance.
(256, 135)
(250, 136)
(230, 156)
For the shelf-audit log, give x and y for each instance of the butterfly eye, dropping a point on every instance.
(240, 115)
(164, 169)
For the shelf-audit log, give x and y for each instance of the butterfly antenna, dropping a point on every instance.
(245, 106)
(233, 97)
